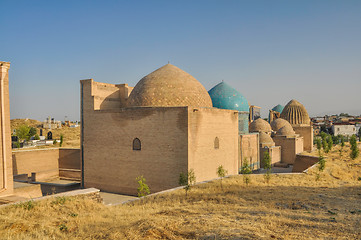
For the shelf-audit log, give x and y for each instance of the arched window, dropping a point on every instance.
(137, 144)
(216, 143)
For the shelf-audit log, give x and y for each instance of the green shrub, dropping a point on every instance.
(221, 172)
(187, 180)
(143, 188)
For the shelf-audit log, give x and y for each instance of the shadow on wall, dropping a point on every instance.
(110, 102)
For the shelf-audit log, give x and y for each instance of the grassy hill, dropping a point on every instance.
(288, 207)
(71, 135)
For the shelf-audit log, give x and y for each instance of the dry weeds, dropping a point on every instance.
(289, 207)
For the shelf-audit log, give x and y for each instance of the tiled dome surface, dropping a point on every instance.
(169, 86)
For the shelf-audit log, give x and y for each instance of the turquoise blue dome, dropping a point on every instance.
(279, 108)
(226, 97)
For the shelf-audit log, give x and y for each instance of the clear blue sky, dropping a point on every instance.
(271, 51)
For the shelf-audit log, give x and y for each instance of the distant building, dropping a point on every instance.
(254, 113)
(275, 113)
(343, 129)
(50, 123)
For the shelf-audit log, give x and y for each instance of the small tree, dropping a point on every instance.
(325, 145)
(329, 142)
(355, 152)
(32, 132)
(61, 140)
(187, 180)
(23, 132)
(342, 141)
(342, 144)
(267, 162)
(143, 189)
(246, 170)
(36, 137)
(321, 166)
(221, 172)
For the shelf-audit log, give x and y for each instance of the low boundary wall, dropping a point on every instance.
(45, 164)
(303, 162)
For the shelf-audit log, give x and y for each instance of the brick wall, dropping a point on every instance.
(290, 146)
(205, 124)
(6, 182)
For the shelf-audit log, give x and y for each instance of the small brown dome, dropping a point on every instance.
(278, 124)
(169, 86)
(260, 125)
(295, 113)
(286, 130)
(266, 140)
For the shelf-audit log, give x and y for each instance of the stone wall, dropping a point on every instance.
(307, 133)
(44, 162)
(290, 146)
(47, 163)
(6, 176)
(249, 149)
(274, 152)
(303, 162)
(212, 141)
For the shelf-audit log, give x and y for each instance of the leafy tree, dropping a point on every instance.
(23, 132)
(342, 144)
(61, 139)
(187, 180)
(246, 170)
(321, 166)
(143, 188)
(32, 132)
(329, 142)
(323, 129)
(36, 137)
(336, 139)
(221, 172)
(355, 152)
(325, 145)
(267, 162)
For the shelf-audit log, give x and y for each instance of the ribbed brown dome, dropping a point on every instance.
(295, 113)
(278, 124)
(266, 140)
(260, 125)
(169, 86)
(286, 130)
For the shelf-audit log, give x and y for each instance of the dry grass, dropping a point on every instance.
(71, 135)
(289, 207)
